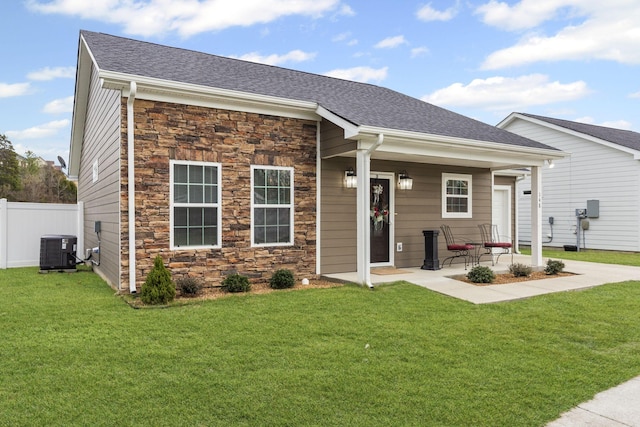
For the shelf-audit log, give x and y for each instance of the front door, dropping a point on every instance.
(381, 219)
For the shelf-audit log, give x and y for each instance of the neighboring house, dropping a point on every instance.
(601, 175)
(228, 166)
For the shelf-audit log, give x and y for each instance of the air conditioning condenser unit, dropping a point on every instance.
(58, 253)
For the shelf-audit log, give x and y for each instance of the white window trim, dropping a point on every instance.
(290, 205)
(217, 205)
(460, 177)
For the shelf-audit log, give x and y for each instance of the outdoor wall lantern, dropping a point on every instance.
(405, 182)
(549, 163)
(350, 178)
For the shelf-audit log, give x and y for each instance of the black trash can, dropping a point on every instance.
(431, 261)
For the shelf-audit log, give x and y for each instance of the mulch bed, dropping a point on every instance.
(508, 278)
(261, 288)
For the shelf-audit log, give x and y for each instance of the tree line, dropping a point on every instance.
(29, 179)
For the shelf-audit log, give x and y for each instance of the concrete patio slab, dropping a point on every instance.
(587, 275)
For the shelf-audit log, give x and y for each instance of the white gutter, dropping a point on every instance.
(131, 186)
(375, 146)
(363, 165)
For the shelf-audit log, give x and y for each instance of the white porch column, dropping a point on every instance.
(363, 170)
(536, 216)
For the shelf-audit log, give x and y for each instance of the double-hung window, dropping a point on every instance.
(456, 196)
(271, 205)
(195, 205)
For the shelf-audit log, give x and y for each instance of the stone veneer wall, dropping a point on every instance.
(237, 140)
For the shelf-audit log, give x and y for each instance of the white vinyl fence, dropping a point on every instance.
(23, 224)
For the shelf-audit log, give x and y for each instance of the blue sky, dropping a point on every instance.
(571, 59)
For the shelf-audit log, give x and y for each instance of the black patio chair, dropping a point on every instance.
(493, 243)
(458, 250)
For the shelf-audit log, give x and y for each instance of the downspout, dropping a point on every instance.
(364, 172)
(131, 187)
(318, 201)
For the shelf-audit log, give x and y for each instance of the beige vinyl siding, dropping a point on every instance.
(338, 218)
(333, 142)
(415, 210)
(101, 199)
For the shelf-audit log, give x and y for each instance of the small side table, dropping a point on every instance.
(475, 258)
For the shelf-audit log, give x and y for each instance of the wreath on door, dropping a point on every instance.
(379, 210)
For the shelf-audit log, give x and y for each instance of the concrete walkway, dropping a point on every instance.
(587, 275)
(619, 406)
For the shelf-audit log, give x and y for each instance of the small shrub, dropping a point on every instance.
(189, 286)
(554, 266)
(282, 279)
(481, 274)
(236, 283)
(520, 270)
(158, 287)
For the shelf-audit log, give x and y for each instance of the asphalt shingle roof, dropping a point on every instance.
(359, 103)
(625, 138)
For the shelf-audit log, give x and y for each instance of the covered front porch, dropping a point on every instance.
(377, 159)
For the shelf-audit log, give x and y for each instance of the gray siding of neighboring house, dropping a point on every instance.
(415, 210)
(592, 172)
(101, 198)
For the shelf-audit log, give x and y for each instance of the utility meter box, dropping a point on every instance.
(593, 208)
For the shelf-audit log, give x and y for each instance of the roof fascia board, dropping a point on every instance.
(367, 135)
(514, 116)
(350, 129)
(83, 82)
(508, 158)
(170, 91)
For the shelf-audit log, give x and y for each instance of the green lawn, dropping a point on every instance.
(590, 255)
(74, 354)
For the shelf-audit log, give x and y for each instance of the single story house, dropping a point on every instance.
(221, 165)
(593, 195)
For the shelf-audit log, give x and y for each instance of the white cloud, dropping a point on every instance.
(345, 37)
(427, 13)
(616, 124)
(15, 89)
(360, 74)
(186, 17)
(635, 95)
(419, 51)
(274, 59)
(48, 73)
(341, 37)
(606, 31)
(588, 120)
(58, 106)
(390, 42)
(346, 10)
(43, 131)
(523, 15)
(506, 93)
